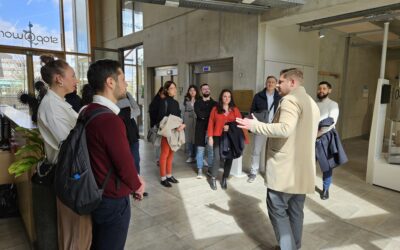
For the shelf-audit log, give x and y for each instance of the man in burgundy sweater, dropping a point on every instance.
(109, 149)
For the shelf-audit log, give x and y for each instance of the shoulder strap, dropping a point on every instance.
(93, 114)
(88, 118)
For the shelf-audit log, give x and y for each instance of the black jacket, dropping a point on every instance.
(132, 130)
(231, 142)
(328, 148)
(202, 109)
(74, 100)
(153, 110)
(168, 106)
(260, 101)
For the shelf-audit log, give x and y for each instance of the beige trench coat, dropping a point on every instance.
(290, 153)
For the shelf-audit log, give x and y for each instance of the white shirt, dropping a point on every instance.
(328, 108)
(106, 102)
(270, 99)
(55, 120)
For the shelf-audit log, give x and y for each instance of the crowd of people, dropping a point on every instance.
(283, 117)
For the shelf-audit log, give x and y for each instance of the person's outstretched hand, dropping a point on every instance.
(246, 123)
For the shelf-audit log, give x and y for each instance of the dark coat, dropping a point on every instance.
(132, 130)
(328, 148)
(74, 100)
(153, 110)
(168, 106)
(202, 110)
(260, 101)
(232, 142)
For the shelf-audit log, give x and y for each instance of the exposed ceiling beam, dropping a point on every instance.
(370, 44)
(247, 6)
(363, 13)
(318, 9)
(378, 17)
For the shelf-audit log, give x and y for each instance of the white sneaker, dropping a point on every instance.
(205, 163)
(200, 174)
(190, 160)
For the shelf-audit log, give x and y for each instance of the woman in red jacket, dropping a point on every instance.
(224, 112)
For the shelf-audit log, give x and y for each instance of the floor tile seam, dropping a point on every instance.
(361, 228)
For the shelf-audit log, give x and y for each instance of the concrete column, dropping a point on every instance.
(384, 49)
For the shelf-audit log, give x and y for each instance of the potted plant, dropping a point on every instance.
(44, 210)
(28, 155)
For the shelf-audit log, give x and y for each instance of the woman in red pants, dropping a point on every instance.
(168, 106)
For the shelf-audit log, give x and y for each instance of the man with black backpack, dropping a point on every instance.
(108, 148)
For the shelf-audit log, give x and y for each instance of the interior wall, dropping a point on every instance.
(286, 47)
(175, 36)
(359, 90)
(331, 68)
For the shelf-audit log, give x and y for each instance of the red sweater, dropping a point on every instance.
(217, 121)
(108, 147)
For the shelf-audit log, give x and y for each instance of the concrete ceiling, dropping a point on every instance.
(239, 6)
(367, 25)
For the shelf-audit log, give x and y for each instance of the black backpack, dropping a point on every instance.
(74, 181)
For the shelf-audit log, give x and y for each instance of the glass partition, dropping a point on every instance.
(13, 79)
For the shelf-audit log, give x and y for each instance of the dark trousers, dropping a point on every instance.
(136, 155)
(286, 214)
(111, 223)
(218, 161)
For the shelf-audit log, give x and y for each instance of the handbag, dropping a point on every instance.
(44, 174)
(152, 134)
(263, 116)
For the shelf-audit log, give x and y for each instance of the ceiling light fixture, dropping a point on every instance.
(321, 33)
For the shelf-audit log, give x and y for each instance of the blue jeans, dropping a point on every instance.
(286, 215)
(136, 155)
(190, 150)
(111, 223)
(200, 155)
(327, 179)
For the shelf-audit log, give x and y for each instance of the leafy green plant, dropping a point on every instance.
(30, 154)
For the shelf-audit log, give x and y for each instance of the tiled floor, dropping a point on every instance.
(192, 216)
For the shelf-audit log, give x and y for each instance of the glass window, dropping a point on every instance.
(32, 24)
(131, 16)
(80, 64)
(13, 79)
(76, 26)
(133, 68)
(140, 70)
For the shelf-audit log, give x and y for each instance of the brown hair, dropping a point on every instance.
(167, 84)
(51, 67)
(293, 73)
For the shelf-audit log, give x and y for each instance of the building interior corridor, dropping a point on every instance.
(192, 216)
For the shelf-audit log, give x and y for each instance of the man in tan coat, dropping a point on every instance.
(290, 172)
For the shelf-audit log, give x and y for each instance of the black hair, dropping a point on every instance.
(51, 67)
(220, 107)
(160, 90)
(204, 84)
(168, 84)
(99, 71)
(87, 94)
(196, 97)
(326, 83)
